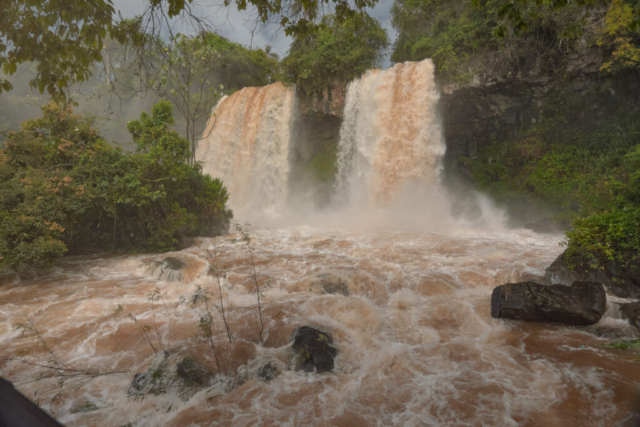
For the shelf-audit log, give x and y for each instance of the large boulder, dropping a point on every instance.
(582, 303)
(313, 350)
(619, 280)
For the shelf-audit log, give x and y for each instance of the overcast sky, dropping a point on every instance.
(234, 24)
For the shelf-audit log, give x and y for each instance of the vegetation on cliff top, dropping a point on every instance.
(337, 52)
(65, 189)
(466, 38)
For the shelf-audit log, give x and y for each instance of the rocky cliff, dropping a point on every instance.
(493, 108)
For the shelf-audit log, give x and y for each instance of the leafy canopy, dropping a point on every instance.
(63, 188)
(66, 37)
(337, 52)
(466, 38)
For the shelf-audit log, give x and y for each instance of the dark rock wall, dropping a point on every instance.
(496, 109)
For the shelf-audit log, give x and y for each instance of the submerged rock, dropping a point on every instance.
(170, 269)
(192, 372)
(331, 282)
(171, 372)
(582, 303)
(631, 312)
(268, 371)
(313, 350)
(621, 281)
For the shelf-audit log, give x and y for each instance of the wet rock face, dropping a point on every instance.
(582, 303)
(170, 269)
(171, 373)
(313, 350)
(631, 312)
(620, 281)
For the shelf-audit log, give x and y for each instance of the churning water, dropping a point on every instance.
(416, 342)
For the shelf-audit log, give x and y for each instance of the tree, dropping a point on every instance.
(65, 37)
(337, 51)
(467, 38)
(63, 188)
(181, 73)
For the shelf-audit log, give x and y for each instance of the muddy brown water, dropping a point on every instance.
(417, 345)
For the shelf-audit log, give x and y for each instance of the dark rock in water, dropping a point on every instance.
(313, 350)
(333, 283)
(154, 380)
(582, 303)
(621, 281)
(170, 269)
(341, 281)
(193, 372)
(547, 225)
(171, 263)
(268, 371)
(139, 382)
(170, 372)
(631, 312)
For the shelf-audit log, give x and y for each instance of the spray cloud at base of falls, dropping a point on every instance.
(246, 144)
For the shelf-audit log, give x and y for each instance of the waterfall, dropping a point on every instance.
(390, 136)
(246, 144)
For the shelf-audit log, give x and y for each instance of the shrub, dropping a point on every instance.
(64, 189)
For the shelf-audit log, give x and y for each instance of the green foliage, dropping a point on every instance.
(582, 166)
(613, 233)
(238, 67)
(621, 36)
(611, 236)
(64, 188)
(502, 37)
(449, 32)
(624, 344)
(336, 53)
(65, 37)
(570, 161)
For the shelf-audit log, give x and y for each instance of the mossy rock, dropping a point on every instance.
(313, 350)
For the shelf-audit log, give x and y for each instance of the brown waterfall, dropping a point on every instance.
(390, 136)
(246, 144)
